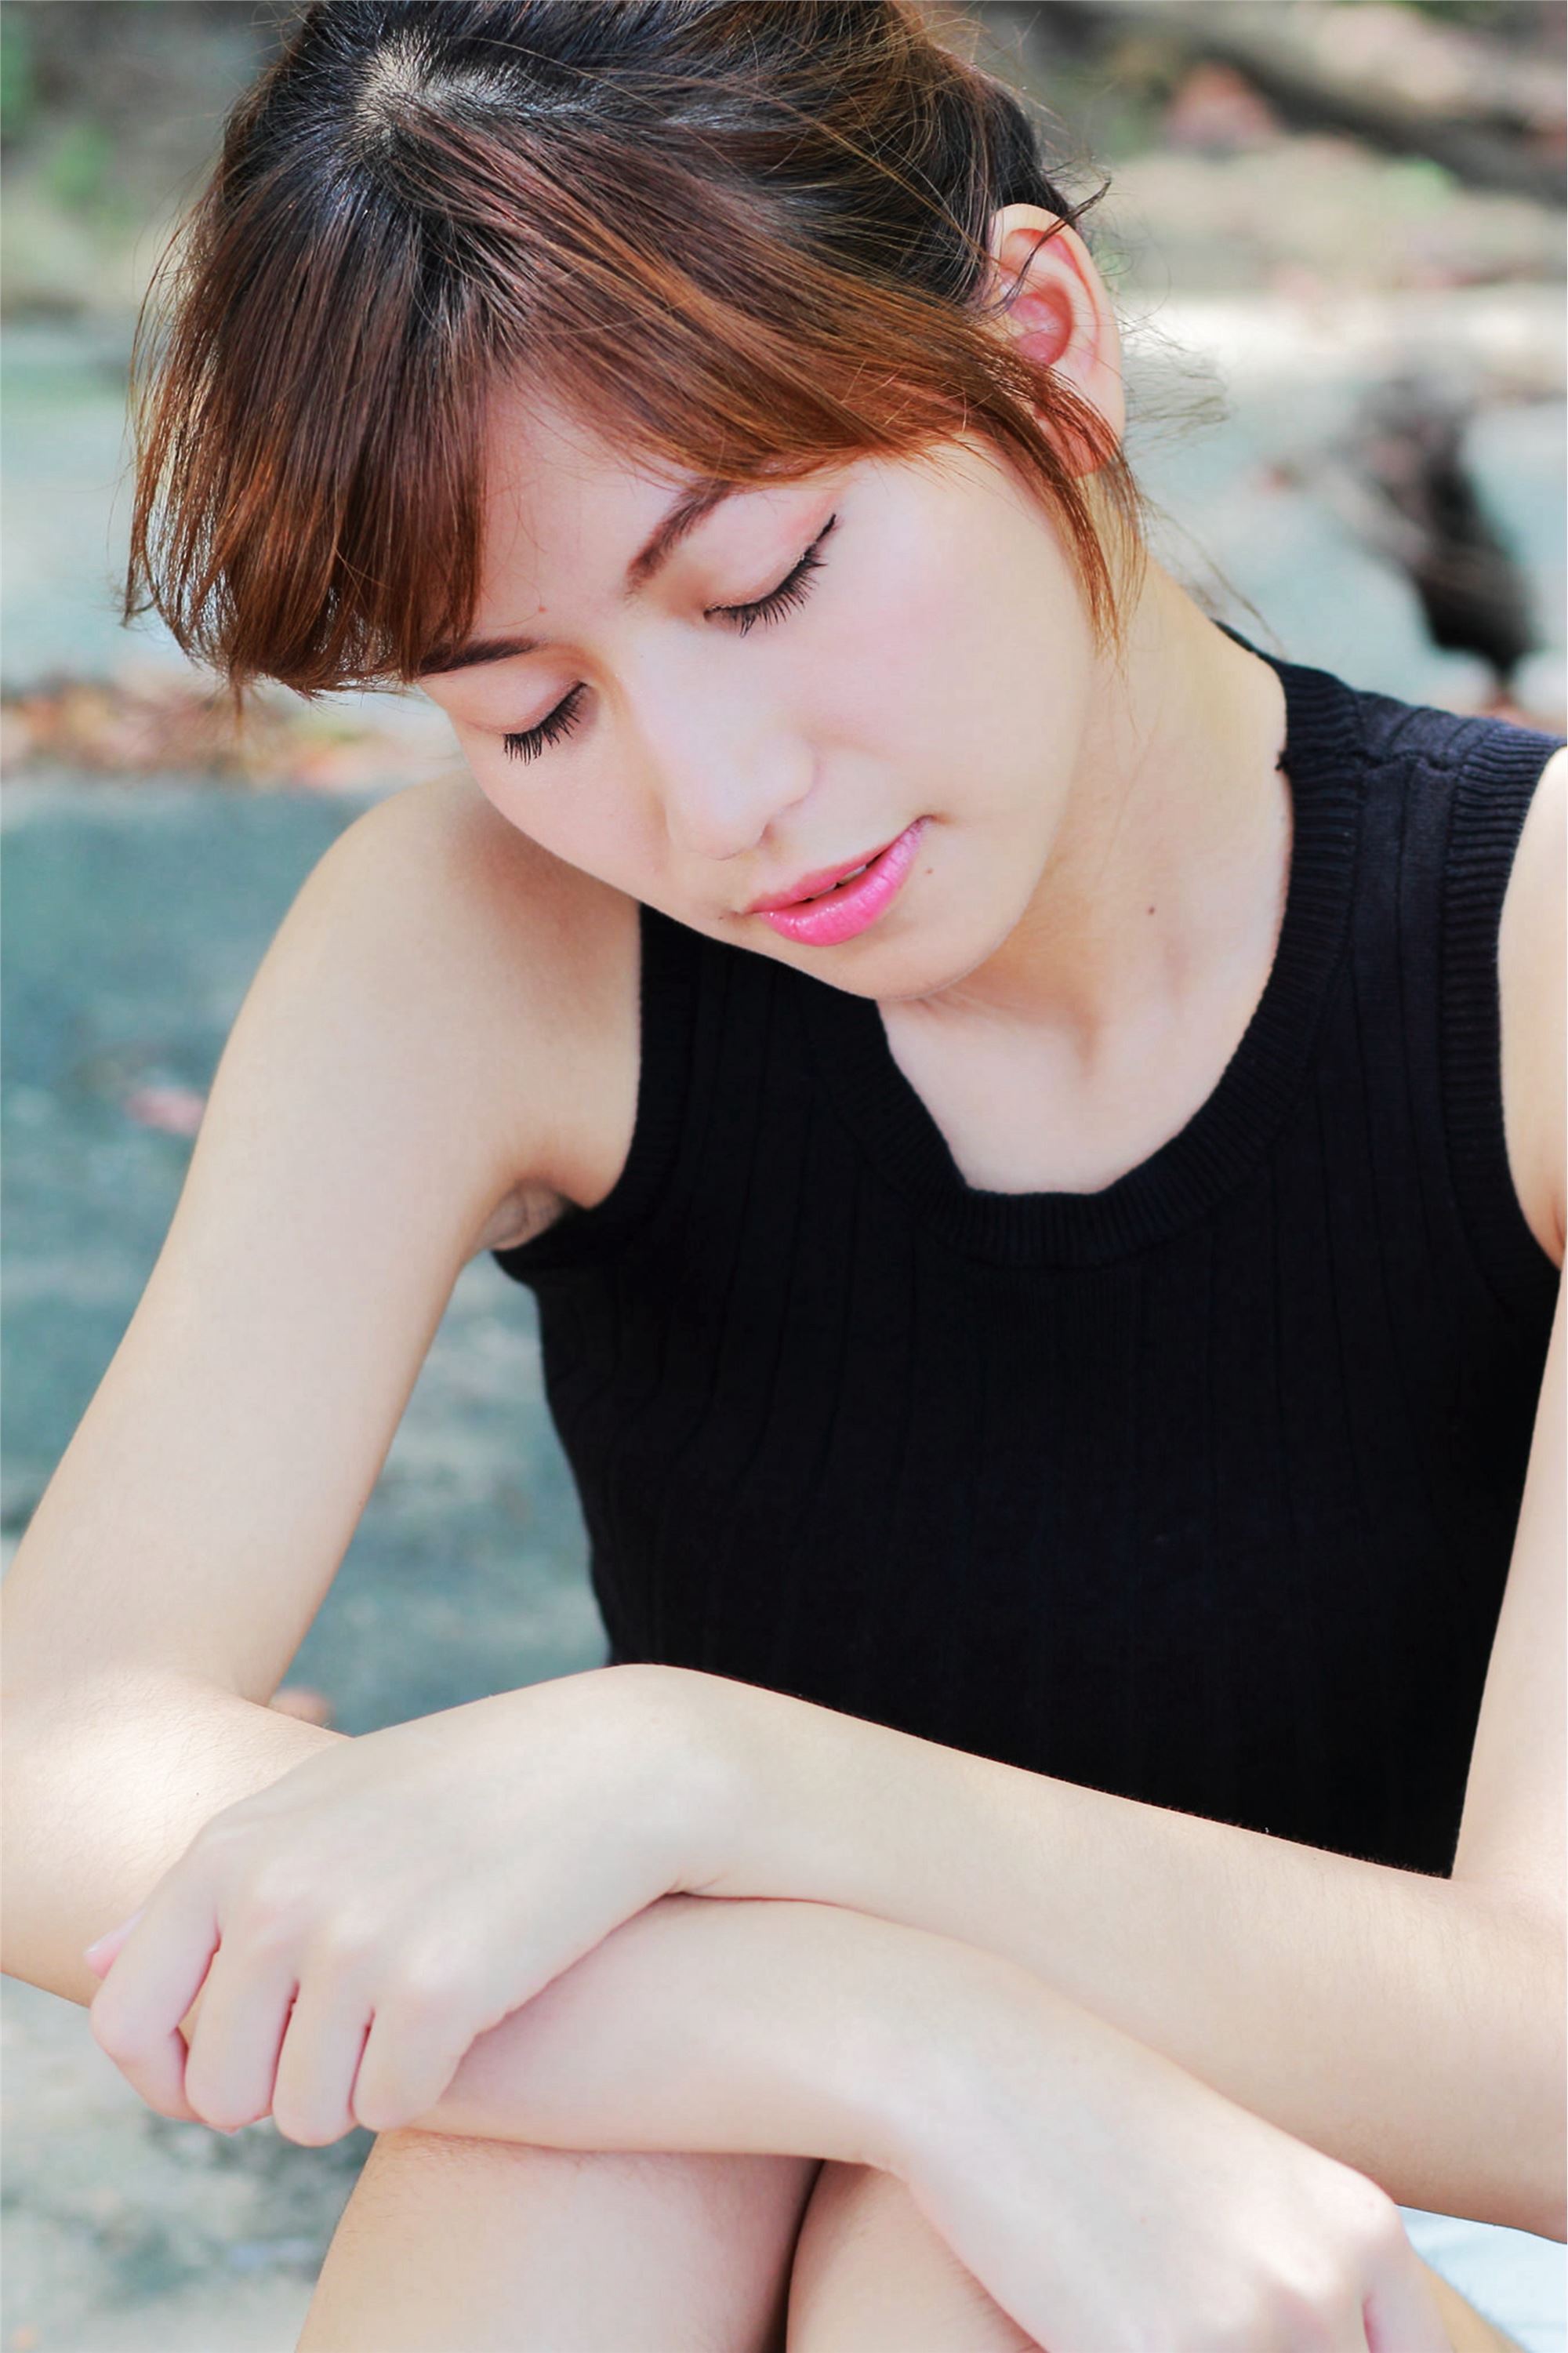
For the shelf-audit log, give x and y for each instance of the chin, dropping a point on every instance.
(922, 963)
(924, 976)
(943, 927)
(943, 943)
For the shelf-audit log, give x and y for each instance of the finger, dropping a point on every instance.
(152, 1982)
(313, 2096)
(154, 2071)
(414, 2047)
(234, 2047)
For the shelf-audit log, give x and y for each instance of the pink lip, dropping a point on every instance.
(806, 886)
(823, 923)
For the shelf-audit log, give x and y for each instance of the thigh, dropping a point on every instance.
(871, 2276)
(501, 2248)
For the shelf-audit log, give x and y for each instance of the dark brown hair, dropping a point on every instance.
(745, 240)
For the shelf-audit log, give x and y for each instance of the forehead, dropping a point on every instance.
(565, 512)
(552, 486)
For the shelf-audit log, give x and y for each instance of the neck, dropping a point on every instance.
(1163, 886)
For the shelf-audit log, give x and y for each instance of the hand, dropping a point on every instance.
(347, 1933)
(1109, 2201)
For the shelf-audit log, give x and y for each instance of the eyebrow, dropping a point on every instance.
(689, 509)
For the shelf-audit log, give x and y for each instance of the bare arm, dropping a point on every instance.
(1411, 2026)
(387, 1086)
(106, 1782)
(1098, 2192)
(767, 2029)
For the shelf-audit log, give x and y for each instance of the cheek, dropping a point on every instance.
(942, 650)
(898, 684)
(575, 822)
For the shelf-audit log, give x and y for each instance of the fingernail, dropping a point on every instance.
(118, 1930)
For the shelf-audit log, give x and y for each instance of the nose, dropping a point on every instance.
(724, 768)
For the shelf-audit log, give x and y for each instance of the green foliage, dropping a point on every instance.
(77, 166)
(1416, 185)
(18, 91)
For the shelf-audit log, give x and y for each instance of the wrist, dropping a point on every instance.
(770, 1770)
(957, 2025)
(784, 2028)
(689, 1770)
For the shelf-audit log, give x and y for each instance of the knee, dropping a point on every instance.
(854, 2201)
(728, 2191)
(750, 2206)
(871, 2269)
(409, 2150)
(411, 2174)
(406, 2151)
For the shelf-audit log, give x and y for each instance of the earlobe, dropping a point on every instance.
(1051, 298)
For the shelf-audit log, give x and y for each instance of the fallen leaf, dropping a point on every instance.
(173, 1111)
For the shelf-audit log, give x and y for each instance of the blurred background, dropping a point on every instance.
(1334, 230)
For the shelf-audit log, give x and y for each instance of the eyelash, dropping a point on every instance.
(792, 590)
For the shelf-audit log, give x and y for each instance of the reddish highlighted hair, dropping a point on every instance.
(745, 240)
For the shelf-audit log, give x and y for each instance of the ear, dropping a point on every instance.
(1056, 309)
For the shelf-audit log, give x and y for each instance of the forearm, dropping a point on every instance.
(696, 2025)
(1408, 2026)
(767, 2029)
(106, 1783)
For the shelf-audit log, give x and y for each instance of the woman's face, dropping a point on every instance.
(921, 677)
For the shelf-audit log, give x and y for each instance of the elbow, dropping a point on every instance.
(1516, 2063)
(1550, 2219)
(1544, 2199)
(1539, 2203)
(1549, 2201)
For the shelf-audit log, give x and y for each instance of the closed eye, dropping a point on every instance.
(557, 723)
(791, 591)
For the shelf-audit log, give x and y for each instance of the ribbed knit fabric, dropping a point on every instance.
(1201, 1488)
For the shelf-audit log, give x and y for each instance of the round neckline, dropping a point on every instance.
(1323, 760)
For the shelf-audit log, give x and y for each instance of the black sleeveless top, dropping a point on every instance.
(1201, 1488)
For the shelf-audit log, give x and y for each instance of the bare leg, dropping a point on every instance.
(452, 2245)
(870, 2275)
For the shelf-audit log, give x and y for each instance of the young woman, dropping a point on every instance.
(1036, 1131)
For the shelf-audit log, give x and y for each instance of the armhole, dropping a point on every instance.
(1493, 789)
(666, 993)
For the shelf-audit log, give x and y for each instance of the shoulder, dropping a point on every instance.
(1532, 977)
(526, 967)
(440, 847)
